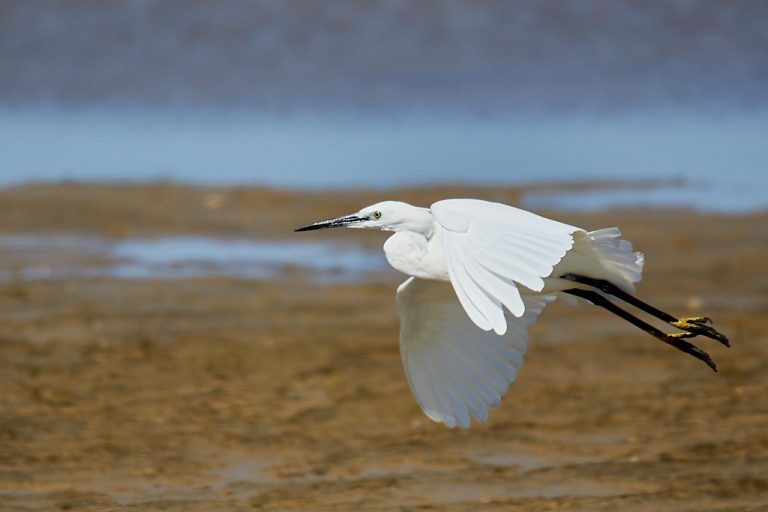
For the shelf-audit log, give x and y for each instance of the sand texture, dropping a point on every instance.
(217, 393)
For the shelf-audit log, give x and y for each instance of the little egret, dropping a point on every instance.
(480, 274)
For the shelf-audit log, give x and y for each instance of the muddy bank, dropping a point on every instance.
(217, 393)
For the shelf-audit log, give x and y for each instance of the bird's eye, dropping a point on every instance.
(376, 215)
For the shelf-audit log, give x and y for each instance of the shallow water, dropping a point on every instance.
(40, 256)
(721, 160)
(731, 197)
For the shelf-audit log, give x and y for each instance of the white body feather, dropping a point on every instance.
(494, 253)
(504, 265)
(481, 273)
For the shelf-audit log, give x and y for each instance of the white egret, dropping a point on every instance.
(481, 273)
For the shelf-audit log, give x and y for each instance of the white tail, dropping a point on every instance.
(617, 257)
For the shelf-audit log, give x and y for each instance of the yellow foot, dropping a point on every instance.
(693, 322)
(697, 320)
(697, 325)
(680, 335)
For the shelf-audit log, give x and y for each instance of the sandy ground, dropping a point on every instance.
(212, 394)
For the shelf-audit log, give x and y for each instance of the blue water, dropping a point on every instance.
(722, 160)
(726, 196)
(384, 94)
(40, 256)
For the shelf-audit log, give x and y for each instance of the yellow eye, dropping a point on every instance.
(376, 215)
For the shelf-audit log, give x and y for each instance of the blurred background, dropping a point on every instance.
(167, 342)
(385, 93)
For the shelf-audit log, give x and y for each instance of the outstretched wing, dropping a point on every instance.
(454, 369)
(490, 248)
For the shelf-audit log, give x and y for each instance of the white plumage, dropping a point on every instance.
(463, 343)
(490, 249)
(454, 369)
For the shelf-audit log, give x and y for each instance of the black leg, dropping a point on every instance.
(693, 325)
(674, 340)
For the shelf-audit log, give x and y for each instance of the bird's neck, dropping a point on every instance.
(418, 220)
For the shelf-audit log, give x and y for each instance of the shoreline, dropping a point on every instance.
(121, 209)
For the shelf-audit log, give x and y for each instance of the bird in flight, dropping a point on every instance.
(480, 274)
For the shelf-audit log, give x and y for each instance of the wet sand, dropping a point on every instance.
(217, 393)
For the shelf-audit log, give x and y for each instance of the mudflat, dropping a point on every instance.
(223, 393)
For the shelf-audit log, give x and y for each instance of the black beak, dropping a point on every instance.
(332, 223)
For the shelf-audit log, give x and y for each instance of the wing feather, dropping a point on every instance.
(475, 302)
(423, 387)
(509, 273)
(450, 377)
(498, 291)
(456, 371)
(487, 395)
(532, 263)
(491, 249)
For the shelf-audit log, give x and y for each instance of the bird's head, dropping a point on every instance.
(386, 216)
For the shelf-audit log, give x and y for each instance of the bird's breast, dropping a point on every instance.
(416, 255)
